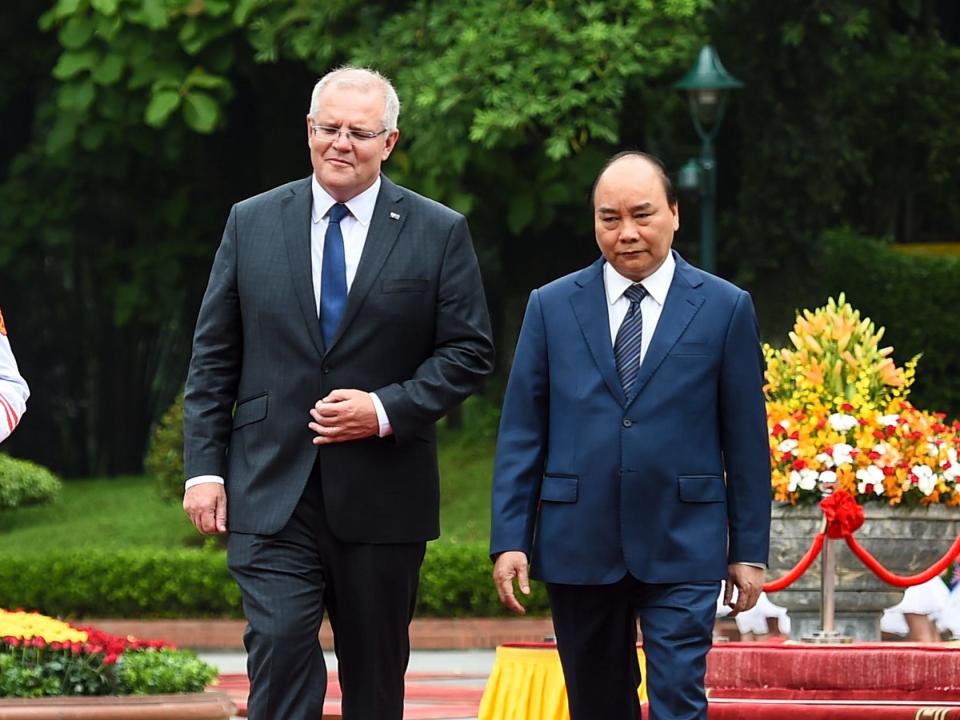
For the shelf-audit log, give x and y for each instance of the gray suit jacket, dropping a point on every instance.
(415, 331)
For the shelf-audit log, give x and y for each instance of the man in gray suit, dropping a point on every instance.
(344, 315)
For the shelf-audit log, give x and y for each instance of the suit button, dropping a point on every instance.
(627, 422)
(325, 370)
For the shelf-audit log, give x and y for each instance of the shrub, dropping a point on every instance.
(25, 483)
(164, 460)
(455, 582)
(163, 671)
(914, 297)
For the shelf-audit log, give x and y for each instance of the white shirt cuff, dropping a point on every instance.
(385, 427)
(200, 479)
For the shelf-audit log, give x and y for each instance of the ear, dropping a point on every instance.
(390, 143)
(675, 209)
(309, 129)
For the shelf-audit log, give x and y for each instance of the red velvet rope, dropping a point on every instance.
(903, 580)
(799, 569)
(844, 516)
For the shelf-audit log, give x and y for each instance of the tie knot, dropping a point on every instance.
(635, 293)
(337, 213)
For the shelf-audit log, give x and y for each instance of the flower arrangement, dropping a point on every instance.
(42, 656)
(839, 416)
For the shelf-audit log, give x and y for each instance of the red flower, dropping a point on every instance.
(38, 642)
(12, 641)
(878, 434)
(847, 407)
(799, 464)
(110, 659)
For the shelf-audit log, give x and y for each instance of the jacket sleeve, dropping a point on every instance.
(746, 450)
(522, 439)
(214, 371)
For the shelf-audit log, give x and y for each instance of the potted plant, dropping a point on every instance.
(840, 419)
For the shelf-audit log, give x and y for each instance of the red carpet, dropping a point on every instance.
(429, 696)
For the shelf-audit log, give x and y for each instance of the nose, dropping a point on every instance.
(342, 142)
(629, 231)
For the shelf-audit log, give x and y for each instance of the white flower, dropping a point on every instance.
(926, 478)
(952, 473)
(825, 460)
(841, 454)
(808, 479)
(842, 423)
(828, 476)
(794, 481)
(787, 445)
(888, 420)
(870, 475)
(881, 448)
(785, 423)
(932, 449)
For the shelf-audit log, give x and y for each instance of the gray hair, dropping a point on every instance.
(364, 79)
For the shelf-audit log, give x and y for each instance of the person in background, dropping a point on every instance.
(14, 390)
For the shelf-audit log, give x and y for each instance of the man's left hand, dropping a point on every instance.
(344, 415)
(748, 580)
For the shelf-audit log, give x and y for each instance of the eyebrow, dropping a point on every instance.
(635, 208)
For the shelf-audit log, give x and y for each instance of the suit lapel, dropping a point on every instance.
(590, 308)
(388, 220)
(682, 303)
(295, 211)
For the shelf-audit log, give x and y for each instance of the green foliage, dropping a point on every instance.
(847, 117)
(25, 483)
(913, 297)
(164, 461)
(164, 670)
(455, 581)
(32, 671)
(121, 583)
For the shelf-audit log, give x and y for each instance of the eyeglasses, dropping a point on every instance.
(328, 132)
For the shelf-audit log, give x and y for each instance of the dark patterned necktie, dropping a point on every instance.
(626, 350)
(333, 275)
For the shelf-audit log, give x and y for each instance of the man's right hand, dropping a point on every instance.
(509, 566)
(206, 504)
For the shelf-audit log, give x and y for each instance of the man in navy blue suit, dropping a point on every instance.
(632, 471)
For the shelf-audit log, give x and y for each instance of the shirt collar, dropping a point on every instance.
(656, 284)
(360, 206)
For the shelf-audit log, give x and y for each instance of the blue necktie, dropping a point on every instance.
(333, 275)
(626, 350)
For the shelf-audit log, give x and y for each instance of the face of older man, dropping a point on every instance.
(346, 166)
(633, 222)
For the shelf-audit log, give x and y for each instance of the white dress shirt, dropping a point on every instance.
(656, 284)
(354, 228)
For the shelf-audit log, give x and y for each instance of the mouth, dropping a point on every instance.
(339, 162)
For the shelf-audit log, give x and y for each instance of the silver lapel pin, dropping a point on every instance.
(395, 216)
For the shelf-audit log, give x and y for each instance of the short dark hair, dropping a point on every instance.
(653, 160)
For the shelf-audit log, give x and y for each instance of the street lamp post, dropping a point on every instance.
(707, 85)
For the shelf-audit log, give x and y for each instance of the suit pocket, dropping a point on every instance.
(702, 488)
(689, 348)
(559, 488)
(403, 285)
(250, 410)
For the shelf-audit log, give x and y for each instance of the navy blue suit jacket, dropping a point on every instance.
(670, 487)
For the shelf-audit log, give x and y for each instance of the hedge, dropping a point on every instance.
(455, 582)
(25, 483)
(914, 297)
(164, 458)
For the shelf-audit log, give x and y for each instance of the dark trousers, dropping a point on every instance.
(597, 636)
(368, 591)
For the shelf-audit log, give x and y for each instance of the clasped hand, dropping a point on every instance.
(344, 415)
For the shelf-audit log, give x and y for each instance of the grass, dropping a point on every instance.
(128, 512)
